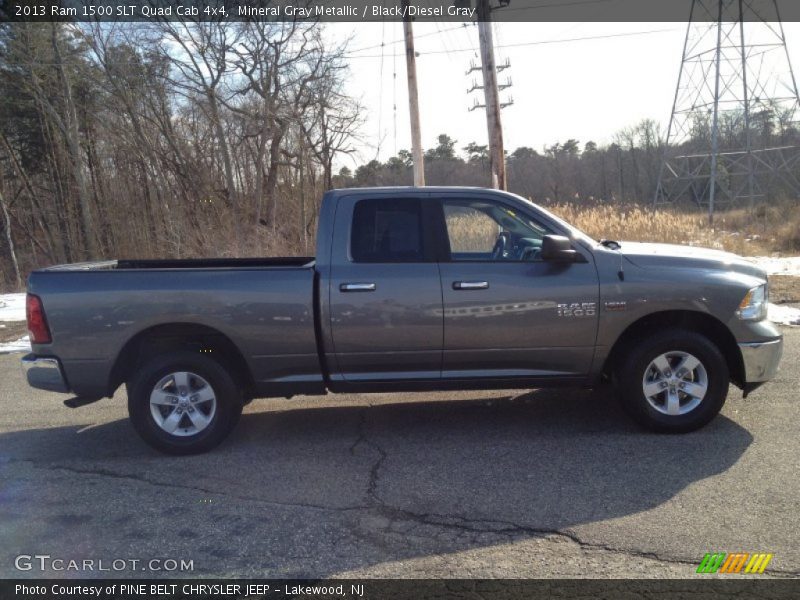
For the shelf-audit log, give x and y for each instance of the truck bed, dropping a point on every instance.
(186, 263)
(265, 306)
(215, 263)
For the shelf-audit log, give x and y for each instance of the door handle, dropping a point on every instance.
(470, 285)
(357, 287)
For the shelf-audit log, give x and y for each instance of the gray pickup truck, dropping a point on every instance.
(412, 289)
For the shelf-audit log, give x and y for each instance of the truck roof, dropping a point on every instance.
(405, 189)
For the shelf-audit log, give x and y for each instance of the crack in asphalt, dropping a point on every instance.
(140, 479)
(374, 471)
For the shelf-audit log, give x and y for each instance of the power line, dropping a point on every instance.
(445, 34)
(518, 45)
(470, 41)
(539, 43)
(416, 37)
(464, 25)
(444, 40)
(555, 5)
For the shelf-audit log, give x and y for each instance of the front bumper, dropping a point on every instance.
(761, 360)
(44, 373)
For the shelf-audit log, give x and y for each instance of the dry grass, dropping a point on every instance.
(12, 331)
(763, 231)
(784, 288)
(469, 233)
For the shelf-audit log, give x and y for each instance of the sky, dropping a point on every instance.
(587, 90)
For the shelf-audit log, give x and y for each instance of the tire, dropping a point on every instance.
(682, 399)
(237, 414)
(183, 403)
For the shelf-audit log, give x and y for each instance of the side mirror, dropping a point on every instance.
(557, 248)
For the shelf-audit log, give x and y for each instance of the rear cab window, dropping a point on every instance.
(388, 231)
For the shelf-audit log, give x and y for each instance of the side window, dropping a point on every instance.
(387, 231)
(469, 229)
(480, 230)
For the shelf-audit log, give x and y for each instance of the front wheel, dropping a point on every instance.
(183, 403)
(673, 381)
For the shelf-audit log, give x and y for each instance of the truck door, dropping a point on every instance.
(507, 313)
(385, 291)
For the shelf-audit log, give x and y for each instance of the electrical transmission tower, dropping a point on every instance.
(733, 135)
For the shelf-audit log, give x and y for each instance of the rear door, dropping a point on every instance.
(385, 291)
(504, 308)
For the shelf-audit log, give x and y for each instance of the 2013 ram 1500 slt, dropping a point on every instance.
(411, 289)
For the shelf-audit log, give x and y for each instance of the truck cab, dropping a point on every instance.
(455, 287)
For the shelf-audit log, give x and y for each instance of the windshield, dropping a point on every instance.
(575, 233)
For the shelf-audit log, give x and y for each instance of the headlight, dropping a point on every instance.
(753, 306)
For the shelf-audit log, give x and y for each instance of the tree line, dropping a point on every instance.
(174, 139)
(624, 171)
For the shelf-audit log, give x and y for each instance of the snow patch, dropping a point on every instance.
(783, 315)
(12, 307)
(778, 265)
(23, 344)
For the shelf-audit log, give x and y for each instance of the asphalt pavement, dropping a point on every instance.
(550, 483)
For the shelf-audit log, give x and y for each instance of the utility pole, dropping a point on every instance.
(492, 96)
(413, 101)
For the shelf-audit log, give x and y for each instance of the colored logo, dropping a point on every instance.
(738, 562)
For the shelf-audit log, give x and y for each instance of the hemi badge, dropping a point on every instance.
(618, 305)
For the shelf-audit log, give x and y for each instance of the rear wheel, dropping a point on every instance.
(673, 381)
(183, 403)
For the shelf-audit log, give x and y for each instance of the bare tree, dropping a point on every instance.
(202, 65)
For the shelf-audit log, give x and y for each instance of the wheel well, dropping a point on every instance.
(162, 339)
(702, 323)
